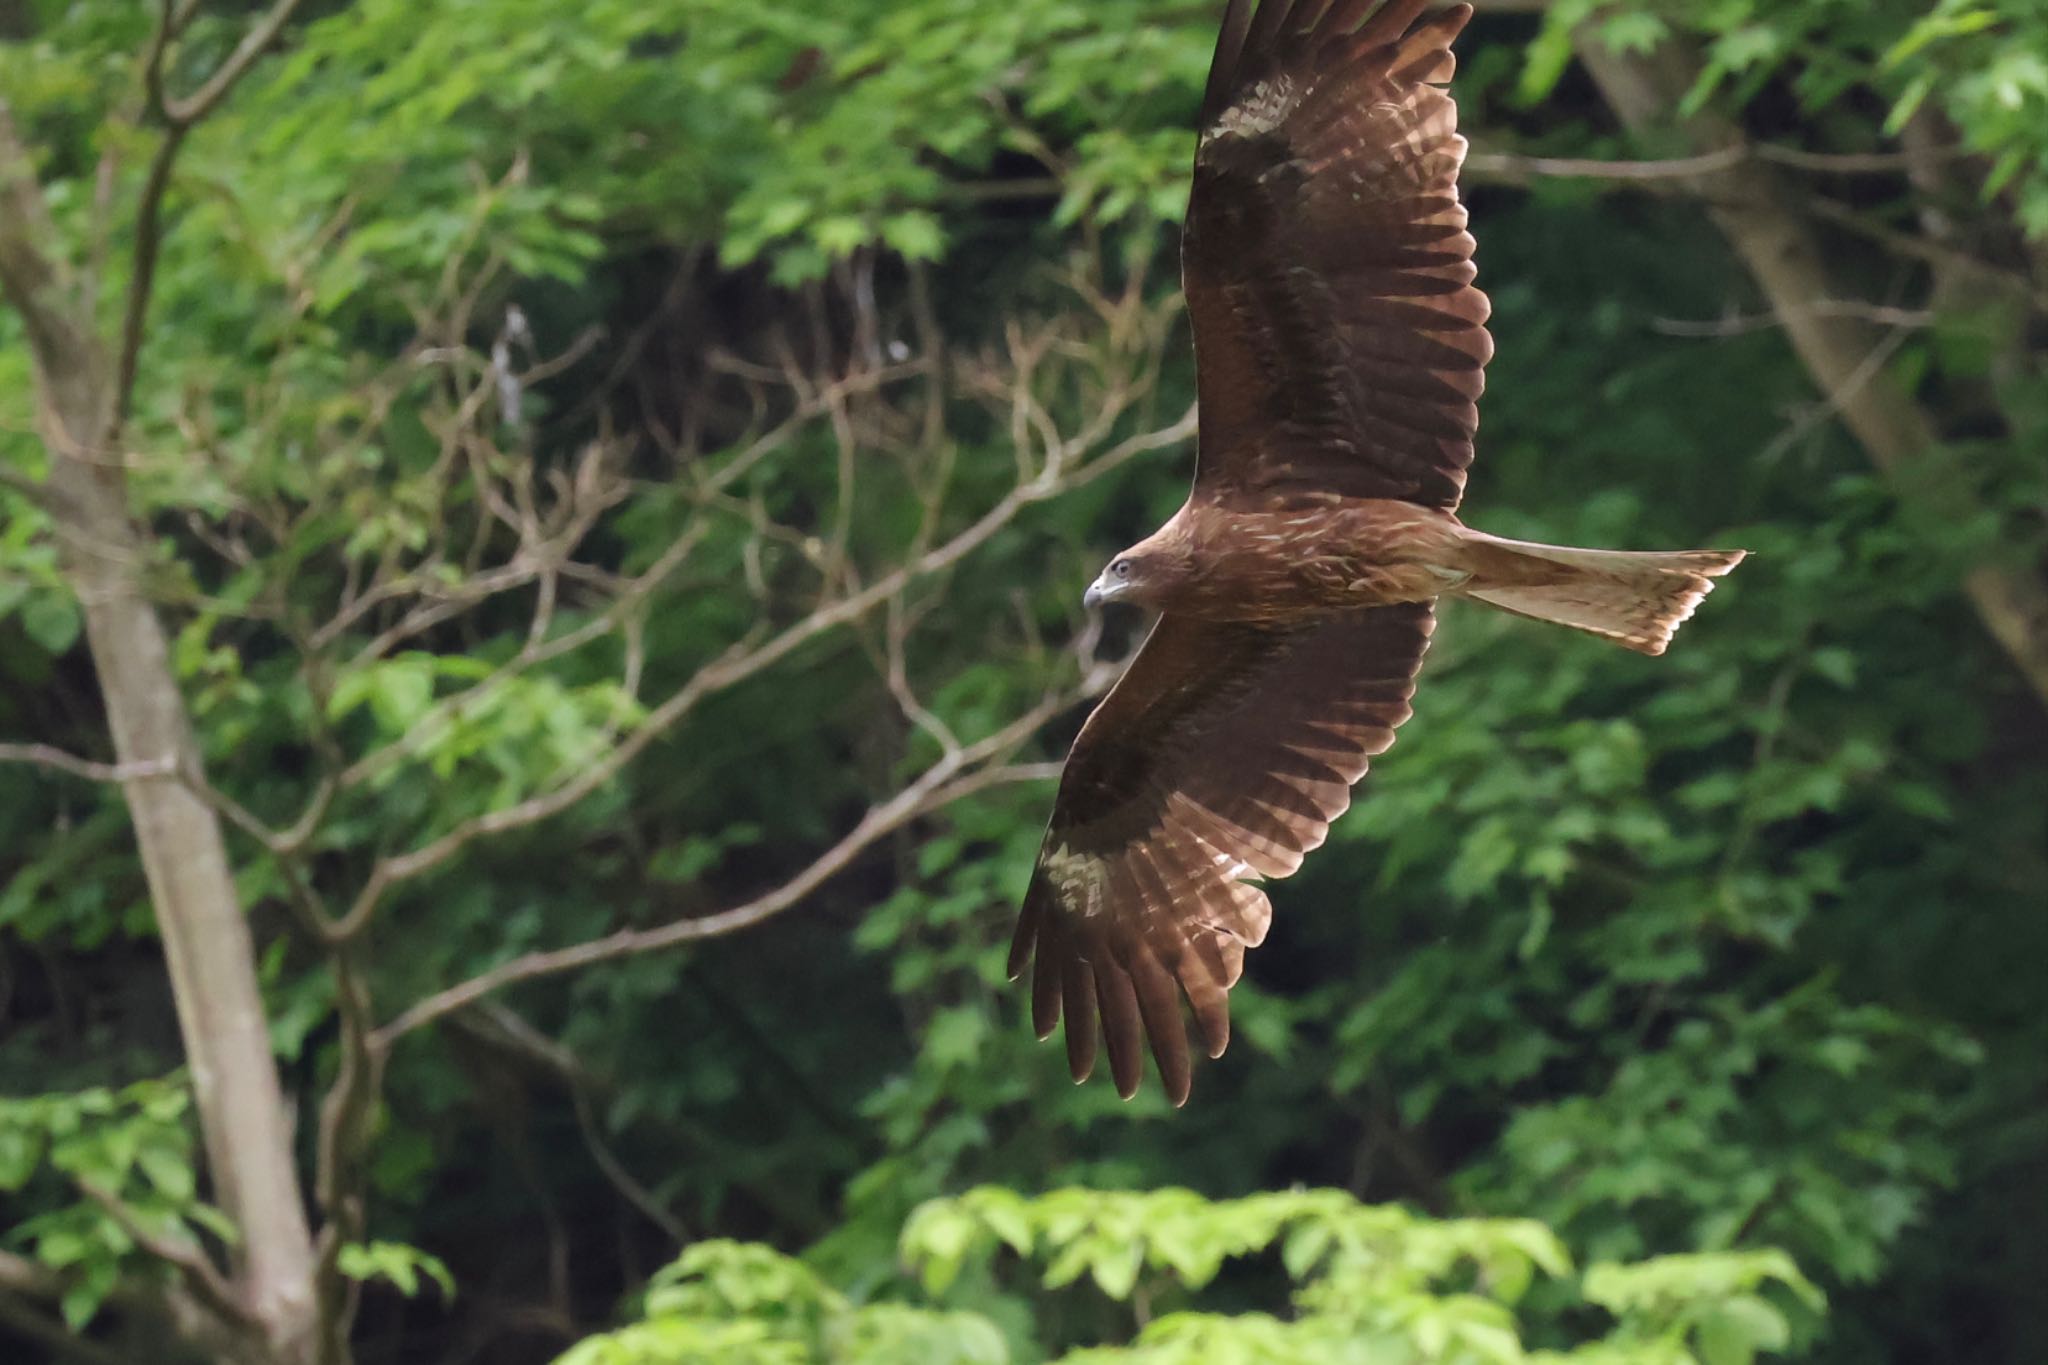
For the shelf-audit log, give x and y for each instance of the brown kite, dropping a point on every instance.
(1340, 348)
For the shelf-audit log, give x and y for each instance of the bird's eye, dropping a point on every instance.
(1122, 568)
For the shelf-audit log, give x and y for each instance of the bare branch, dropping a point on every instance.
(142, 279)
(949, 779)
(1516, 169)
(504, 1029)
(1736, 324)
(1935, 253)
(183, 113)
(449, 710)
(179, 116)
(741, 663)
(46, 756)
(896, 670)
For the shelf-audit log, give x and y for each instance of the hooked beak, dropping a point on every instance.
(1094, 597)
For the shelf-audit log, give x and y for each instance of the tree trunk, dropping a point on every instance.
(207, 945)
(1843, 354)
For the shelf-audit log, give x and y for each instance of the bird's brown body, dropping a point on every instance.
(1340, 346)
(1313, 556)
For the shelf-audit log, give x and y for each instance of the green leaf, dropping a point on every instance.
(395, 1263)
(1733, 1331)
(52, 622)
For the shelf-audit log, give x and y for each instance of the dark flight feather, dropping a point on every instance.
(1341, 348)
(1341, 339)
(1222, 755)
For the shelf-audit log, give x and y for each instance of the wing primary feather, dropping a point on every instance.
(1045, 982)
(1205, 977)
(1342, 18)
(1030, 923)
(1425, 53)
(1159, 1005)
(1121, 1029)
(1237, 22)
(1389, 23)
(1310, 28)
(1170, 937)
(1271, 20)
(1074, 980)
(1188, 781)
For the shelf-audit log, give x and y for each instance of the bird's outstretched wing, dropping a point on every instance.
(1223, 754)
(1340, 342)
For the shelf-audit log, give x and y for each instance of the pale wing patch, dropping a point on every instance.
(1262, 109)
(1080, 879)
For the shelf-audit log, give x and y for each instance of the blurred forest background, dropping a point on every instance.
(540, 558)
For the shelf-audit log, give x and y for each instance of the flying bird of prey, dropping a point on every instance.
(1340, 346)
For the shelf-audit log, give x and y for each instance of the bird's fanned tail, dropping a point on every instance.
(1636, 598)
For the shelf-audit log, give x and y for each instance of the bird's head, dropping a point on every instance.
(1132, 576)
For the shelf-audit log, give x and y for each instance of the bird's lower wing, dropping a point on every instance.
(1223, 755)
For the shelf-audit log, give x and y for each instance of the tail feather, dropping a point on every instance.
(1635, 598)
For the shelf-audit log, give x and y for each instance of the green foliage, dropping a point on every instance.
(132, 1147)
(400, 1265)
(1983, 66)
(1639, 966)
(732, 1303)
(1713, 1300)
(1369, 1283)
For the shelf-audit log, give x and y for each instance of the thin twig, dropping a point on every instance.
(1516, 168)
(200, 1274)
(179, 116)
(505, 1029)
(738, 665)
(945, 781)
(50, 1333)
(1925, 249)
(1737, 324)
(47, 756)
(201, 102)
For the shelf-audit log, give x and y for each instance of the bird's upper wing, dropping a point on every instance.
(1340, 343)
(1224, 753)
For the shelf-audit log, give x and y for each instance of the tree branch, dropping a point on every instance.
(741, 663)
(1767, 230)
(47, 756)
(51, 1334)
(200, 1275)
(205, 937)
(68, 361)
(142, 278)
(1515, 168)
(179, 116)
(339, 1166)
(183, 113)
(943, 782)
(501, 1028)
